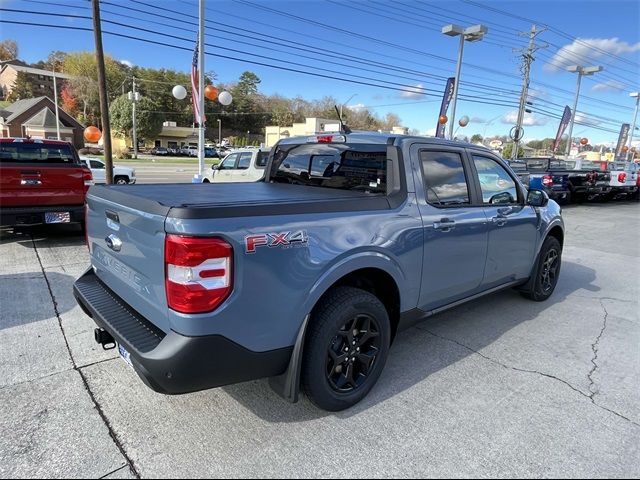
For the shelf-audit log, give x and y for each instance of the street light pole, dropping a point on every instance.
(219, 132)
(55, 99)
(581, 71)
(470, 34)
(633, 127)
(455, 88)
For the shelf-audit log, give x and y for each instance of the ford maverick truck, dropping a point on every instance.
(307, 276)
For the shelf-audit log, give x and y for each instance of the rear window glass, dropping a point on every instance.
(518, 166)
(348, 167)
(36, 153)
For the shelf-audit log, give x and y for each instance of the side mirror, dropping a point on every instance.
(215, 166)
(537, 198)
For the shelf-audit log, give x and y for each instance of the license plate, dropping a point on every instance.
(57, 217)
(126, 356)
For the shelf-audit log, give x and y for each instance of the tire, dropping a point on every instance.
(206, 180)
(326, 365)
(567, 199)
(120, 180)
(545, 278)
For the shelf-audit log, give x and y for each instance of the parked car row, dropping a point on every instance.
(187, 151)
(579, 180)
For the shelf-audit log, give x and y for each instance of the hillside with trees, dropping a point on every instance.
(249, 113)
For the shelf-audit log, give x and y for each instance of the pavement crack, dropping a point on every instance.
(524, 370)
(78, 369)
(593, 391)
(113, 471)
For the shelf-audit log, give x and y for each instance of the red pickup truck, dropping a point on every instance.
(41, 182)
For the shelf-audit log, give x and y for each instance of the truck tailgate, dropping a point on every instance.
(127, 254)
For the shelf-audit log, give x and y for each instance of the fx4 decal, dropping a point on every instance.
(271, 240)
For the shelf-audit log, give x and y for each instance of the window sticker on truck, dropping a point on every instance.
(271, 240)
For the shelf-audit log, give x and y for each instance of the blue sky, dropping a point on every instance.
(402, 37)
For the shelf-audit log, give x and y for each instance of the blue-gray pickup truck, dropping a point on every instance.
(307, 276)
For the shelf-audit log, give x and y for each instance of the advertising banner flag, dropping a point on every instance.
(446, 99)
(622, 140)
(566, 118)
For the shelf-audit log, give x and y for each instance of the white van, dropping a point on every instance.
(245, 165)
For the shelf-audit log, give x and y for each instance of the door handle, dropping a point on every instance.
(499, 220)
(445, 225)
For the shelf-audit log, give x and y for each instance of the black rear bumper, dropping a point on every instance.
(13, 216)
(172, 363)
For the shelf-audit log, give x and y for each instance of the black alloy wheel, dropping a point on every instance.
(352, 353)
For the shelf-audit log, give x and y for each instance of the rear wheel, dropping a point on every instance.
(545, 277)
(346, 348)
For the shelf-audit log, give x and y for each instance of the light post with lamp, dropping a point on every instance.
(469, 34)
(581, 71)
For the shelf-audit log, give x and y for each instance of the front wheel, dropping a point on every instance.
(121, 181)
(547, 271)
(346, 348)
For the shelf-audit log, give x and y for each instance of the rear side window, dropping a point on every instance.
(495, 182)
(244, 161)
(36, 153)
(444, 178)
(360, 167)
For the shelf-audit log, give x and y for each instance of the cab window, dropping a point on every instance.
(495, 182)
(230, 162)
(444, 178)
(95, 164)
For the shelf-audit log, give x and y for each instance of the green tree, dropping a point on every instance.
(83, 85)
(476, 138)
(508, 148)
(246, 102)
(149, 121)
(8, 50)
(22, 88)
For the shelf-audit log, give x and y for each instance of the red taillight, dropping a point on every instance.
(198, 273)
(325, 138)
(87, 177)
(547, 181)
(622, 177)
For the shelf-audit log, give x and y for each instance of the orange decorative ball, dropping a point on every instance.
(443, 119)
(210, 92)
(92, 134)
(584, 141)
(625, 149)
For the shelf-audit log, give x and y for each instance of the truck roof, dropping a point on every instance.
(33, 140)
(377, 138)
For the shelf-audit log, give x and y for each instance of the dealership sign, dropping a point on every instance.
(446, 99)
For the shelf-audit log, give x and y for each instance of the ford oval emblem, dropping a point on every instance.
(113, 242)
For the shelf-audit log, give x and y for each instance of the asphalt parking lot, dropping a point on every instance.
(498, 387)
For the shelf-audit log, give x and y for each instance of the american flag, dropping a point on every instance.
(195, 93)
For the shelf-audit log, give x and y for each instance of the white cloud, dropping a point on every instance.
(608, 86)
(530, 119)
(477, 120)
(586, 50)
(431, 132)
(413, 92)
(127, 63)
(587, 120)
(356, 107)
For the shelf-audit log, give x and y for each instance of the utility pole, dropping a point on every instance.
(633, 126)
(55, 99)
(219, 132)
(201, 125)
(102, 89)
(527, 56)
(134, 96)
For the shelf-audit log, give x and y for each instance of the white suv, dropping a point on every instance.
(121, 175)
(245, 165)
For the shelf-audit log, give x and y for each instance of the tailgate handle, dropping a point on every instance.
(112, 216)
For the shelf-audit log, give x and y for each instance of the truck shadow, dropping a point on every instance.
(44, 235)
(418, 353)
(25, 297)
